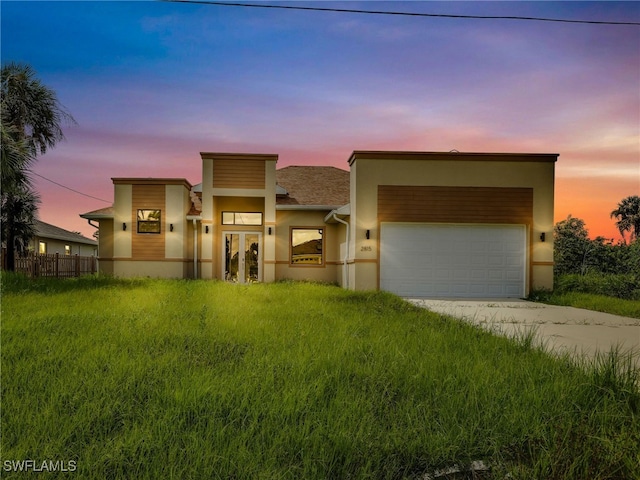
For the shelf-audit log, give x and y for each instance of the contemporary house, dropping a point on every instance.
(428, 224)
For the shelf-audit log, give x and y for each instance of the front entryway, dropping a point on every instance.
(242, 257)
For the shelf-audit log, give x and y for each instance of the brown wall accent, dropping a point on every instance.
(238, 173)
(148, 246)
(399, 203)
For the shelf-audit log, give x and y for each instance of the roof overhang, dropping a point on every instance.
(239, 156)
(102, 214)
(151, 181)
(452, 155)
(307, 207)
(342, 212)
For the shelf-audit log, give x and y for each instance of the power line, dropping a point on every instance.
(69, 188)
(405, 14)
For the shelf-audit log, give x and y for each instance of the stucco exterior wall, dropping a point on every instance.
(122, 206)
(125, 252)
(176, 208)
(105, 238)
(236, 183)
(333, 236)
(368, 170)
(151, 268)
(105, 246)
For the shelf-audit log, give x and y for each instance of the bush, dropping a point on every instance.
(575, 252)
(625, 286)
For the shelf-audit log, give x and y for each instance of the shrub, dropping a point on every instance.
(625, 286)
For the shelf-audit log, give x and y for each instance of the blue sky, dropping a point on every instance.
(152, 84)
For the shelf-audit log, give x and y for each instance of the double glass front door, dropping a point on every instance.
(242, 257)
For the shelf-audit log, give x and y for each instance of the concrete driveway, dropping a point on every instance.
(563, 328)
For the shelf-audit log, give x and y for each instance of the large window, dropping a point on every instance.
(148, 221)
(241, 218)
(307, 246)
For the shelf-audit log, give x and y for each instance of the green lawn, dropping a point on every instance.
(152, 379)
(599, 303)
(615, 294)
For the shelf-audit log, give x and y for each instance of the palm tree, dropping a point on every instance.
(628, 215)
(31, 108)
(17, 222)
(18, 214)
(30, 124)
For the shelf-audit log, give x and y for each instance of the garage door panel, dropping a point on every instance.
(477, 274)
(453, 260)
(513, 275)
(495, 275)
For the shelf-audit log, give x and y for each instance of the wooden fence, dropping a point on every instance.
(53, 265)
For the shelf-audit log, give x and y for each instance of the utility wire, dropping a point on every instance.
(68, 188)
(405, 14)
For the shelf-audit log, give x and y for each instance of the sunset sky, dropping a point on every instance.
(152, 84)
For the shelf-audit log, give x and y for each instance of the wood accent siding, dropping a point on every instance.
(437, 204)
(148, 246)
(232, 173)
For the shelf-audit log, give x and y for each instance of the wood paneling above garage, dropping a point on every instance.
(442, 204)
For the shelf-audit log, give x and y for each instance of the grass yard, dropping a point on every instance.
(615, 294)
(592, 301)
(151, 379)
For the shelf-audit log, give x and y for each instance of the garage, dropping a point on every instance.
(458, 261)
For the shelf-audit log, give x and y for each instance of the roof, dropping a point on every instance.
(317, 186)
(46, 230)
(452, 155)
(106, 212)
(238, 156)
(151, 181)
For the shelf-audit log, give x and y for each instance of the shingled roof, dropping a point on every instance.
(320, 186)
(46, 230)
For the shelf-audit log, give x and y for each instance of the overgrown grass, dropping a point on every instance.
(615, 294)
(198, 379)
(590, 301)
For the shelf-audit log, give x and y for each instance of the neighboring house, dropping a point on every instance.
(51, 239)
(413, 223)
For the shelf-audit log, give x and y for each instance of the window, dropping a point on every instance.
(148, 221)
(42, 248)
(242, 218)
(307, 246)
(67, 249)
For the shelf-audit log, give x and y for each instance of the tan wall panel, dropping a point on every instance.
(105, 267)
(229, 173)
(148, 246)
(105, 239)
(399, 203)
(334, 234)
(154, 269)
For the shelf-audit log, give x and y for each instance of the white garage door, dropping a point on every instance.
(472, 261)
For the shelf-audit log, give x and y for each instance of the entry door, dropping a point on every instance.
(242, 257)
